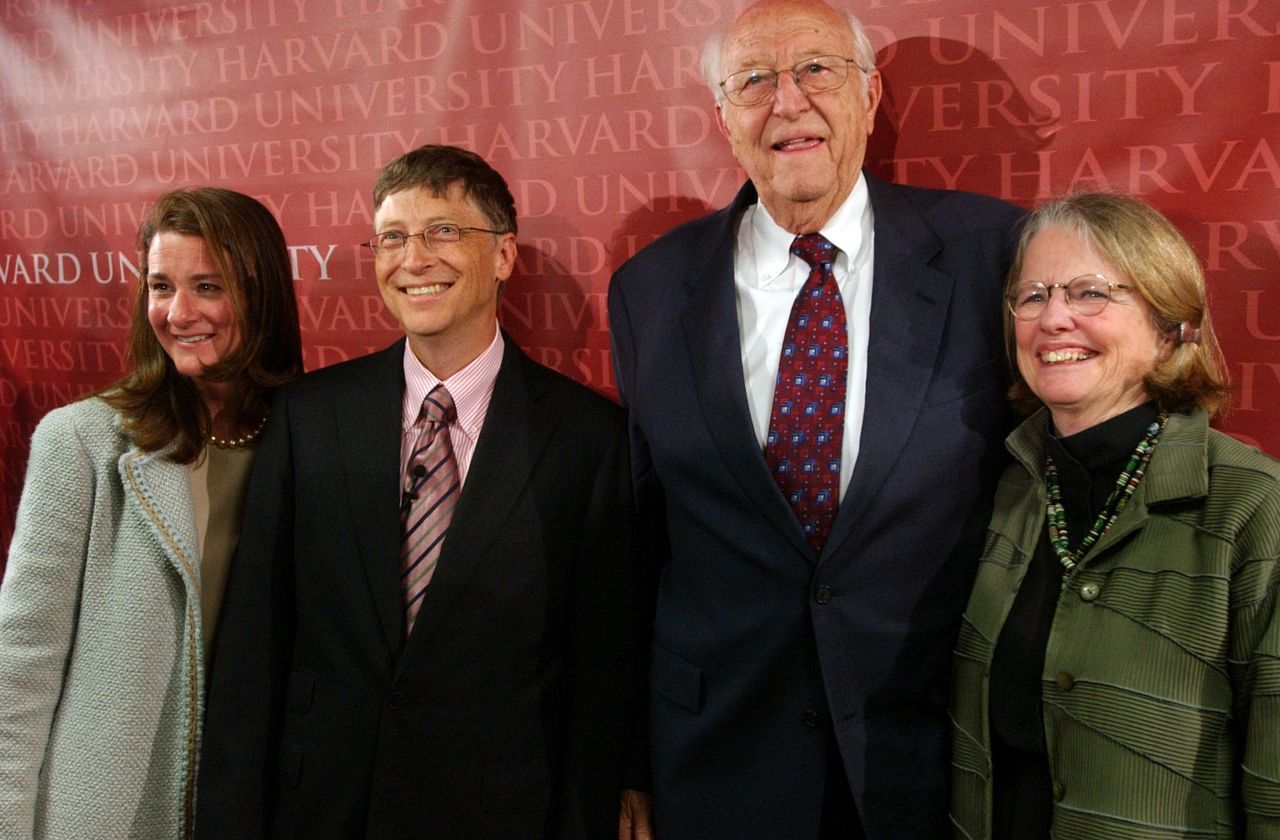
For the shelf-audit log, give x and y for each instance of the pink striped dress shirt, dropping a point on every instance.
(471, 389)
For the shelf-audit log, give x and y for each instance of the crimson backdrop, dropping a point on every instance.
(595, 112)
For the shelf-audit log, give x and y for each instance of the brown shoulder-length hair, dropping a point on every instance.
(161, 408)
(1151, 256)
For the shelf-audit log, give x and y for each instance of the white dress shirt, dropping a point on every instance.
(768, 277)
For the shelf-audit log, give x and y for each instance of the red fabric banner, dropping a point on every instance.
(595, 112)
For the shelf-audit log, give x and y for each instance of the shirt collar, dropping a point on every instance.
(848, 229)
(1105, 447)
(470, 387)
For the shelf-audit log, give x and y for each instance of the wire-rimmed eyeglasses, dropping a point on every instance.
(758, 85)
(435, 236)
(1087, 294)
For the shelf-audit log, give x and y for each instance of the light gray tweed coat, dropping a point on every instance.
(101, 665)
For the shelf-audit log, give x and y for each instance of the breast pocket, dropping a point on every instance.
(989, 374)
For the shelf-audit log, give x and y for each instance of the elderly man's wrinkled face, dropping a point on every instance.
(802, 152)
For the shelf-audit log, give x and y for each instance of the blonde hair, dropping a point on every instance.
(1154, 258)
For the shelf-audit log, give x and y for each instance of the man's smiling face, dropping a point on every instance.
(803, 152)
(445, 297)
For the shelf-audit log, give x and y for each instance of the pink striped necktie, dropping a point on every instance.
(431, 494)
(806, 425)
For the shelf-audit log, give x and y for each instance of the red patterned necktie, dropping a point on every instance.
(431, 494)
(806, 425)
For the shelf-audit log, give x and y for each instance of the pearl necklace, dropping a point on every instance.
(240, 442)
(1125, 485)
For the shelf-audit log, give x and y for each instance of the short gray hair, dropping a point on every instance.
(713, 49)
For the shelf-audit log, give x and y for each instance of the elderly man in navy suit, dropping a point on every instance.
(435, 625)
(815, 385)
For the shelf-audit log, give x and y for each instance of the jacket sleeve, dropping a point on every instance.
(611, 619)
(247, 673)
(648, 502)
(39, 605)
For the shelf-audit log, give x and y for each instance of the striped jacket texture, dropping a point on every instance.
(1161, 683)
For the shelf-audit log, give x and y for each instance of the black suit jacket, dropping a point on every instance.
(761, 648)
(508, 710)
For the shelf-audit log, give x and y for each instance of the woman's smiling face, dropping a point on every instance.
(188, 303)
(1085, 368)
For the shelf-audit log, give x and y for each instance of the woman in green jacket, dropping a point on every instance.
(1117, 673)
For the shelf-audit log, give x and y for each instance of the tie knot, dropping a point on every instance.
(438, 407)
(814, 249)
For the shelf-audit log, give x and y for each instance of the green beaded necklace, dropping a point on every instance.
(1125, 485)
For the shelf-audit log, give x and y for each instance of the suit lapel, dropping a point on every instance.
(161, 491)
(710, 327)
(368, 432)
(516, 430)
(909, 304)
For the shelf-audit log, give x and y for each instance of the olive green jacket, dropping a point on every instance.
(1161, 682)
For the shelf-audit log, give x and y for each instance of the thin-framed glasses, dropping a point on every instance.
(435, 236)
(758, 85)
(1087, 294)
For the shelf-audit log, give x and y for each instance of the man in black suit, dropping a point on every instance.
(818, 567)
(482, 682)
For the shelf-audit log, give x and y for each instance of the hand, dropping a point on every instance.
(635, 820)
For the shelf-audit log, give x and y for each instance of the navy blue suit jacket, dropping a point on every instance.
(761, 647)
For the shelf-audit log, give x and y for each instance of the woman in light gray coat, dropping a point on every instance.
(128, 521)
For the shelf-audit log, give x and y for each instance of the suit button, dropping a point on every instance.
(397, 700)
(1090, 592)
(822, 594)
(1059, 791)
(1065, 681)
(812, 719)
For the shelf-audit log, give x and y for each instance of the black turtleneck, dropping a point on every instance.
(1088, 462)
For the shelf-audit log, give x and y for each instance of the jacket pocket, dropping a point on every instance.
(678, 681)
(515, 788)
